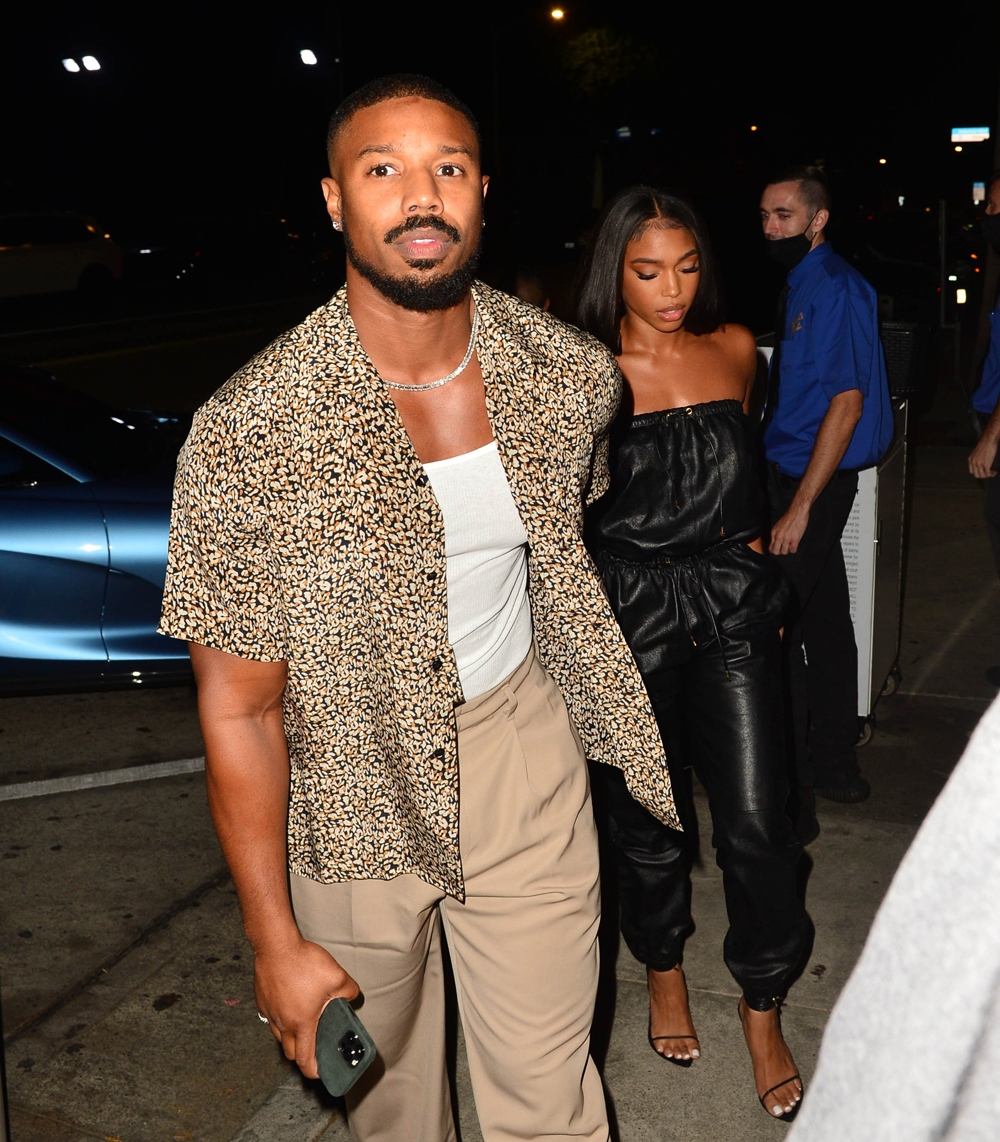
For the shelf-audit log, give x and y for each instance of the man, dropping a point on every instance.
(828, 415)
(376, 523)
(986, 403)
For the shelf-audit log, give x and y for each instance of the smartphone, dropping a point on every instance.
(344, 1049)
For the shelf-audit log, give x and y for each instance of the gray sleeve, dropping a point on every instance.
(912, 1049)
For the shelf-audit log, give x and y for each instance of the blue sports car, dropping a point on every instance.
(84, 511)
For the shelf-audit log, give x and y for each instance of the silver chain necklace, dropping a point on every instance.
(452, 375)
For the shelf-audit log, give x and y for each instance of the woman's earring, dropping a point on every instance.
(336, 224)
(483, 225)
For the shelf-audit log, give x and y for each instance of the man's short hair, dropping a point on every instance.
(814, 190)
(400, 86)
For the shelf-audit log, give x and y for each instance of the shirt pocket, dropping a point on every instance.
(793, 354)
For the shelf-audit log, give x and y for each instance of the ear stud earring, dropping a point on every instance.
(336, 225)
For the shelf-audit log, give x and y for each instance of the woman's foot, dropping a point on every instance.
(671, 1031)
(779, 1087)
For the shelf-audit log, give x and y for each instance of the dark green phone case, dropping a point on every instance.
(344, 1049)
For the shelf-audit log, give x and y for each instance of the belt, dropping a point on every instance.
(786, 481)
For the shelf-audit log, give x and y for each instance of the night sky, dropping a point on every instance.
(196, 115)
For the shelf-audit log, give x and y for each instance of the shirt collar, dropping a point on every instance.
(812, 261)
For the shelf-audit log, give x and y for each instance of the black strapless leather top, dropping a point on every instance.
(682, 480)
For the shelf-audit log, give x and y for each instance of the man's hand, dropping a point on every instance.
(292, 985)
(787, 533)
(983, 457)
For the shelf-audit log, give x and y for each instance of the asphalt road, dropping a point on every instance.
(171, 361)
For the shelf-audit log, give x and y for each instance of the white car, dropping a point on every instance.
(50, 253)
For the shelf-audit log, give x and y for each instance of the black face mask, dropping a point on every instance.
(991, 230)
(788, 252)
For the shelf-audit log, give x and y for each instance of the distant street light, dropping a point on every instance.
(557, 13)
(71, 65)
(91, 64)
(753, 128)
(308, 57)
(882, 162)
(958, 150)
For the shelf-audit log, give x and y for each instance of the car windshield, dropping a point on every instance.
(102, 440)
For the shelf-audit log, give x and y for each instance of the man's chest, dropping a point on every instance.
(355, 492)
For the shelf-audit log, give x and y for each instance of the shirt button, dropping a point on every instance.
(422, 480)
(436, 664)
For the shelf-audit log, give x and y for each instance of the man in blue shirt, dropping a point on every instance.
(986, 402)
(828, 415)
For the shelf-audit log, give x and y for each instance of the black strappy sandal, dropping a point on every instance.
(785, 1115)
(670, 1058)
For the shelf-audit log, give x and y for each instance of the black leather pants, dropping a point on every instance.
(716, 693)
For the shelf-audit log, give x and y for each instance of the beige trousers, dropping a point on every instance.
(523, 945)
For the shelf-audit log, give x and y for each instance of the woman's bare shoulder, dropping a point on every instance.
(735, 337)
(737, 343)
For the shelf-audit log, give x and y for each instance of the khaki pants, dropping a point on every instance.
(523, 945)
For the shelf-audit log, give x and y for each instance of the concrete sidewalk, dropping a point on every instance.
(126, 986)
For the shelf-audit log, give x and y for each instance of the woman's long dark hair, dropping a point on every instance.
(599, 305)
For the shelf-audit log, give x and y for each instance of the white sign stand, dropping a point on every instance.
(858, 544)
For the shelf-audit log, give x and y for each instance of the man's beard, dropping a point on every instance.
(440, 292)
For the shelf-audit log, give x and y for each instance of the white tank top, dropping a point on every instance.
(489, 615)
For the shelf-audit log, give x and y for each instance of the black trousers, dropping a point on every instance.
(716, 695)
(822, 656)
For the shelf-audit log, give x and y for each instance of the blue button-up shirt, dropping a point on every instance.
(985, 397)
(830, 344)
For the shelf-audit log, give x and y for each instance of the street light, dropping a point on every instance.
(91, 64)
(557, 13)
(308, 57)
(71, 65)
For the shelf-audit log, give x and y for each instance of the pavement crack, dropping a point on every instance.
(192, 899)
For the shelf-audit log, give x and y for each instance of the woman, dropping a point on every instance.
(677, 541)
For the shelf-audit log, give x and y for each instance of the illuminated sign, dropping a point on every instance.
(970, 134)
(979, 192)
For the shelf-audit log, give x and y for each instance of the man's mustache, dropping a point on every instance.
(428, 222)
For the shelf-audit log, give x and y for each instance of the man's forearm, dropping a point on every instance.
(983, 457)
(248, 797)
(991, 433)
(246, 763)
(831, 444)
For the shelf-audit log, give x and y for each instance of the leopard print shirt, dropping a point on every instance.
(304, 530)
